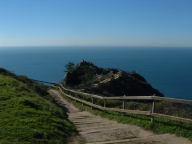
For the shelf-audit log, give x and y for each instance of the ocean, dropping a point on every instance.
(167, 69)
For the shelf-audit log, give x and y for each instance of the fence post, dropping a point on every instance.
(83, 99)
(152, 109)
(104, 103)
(123, 105)
(92, 100)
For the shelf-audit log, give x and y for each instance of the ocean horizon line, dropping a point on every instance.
(84, 47)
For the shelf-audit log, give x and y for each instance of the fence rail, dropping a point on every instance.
(90, 100)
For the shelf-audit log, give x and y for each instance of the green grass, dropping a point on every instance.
(160, 125)
(28, 115)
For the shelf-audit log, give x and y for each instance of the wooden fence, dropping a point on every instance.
(90, 100)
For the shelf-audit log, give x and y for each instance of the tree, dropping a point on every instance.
(69, 67)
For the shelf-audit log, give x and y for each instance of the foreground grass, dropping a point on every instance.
(160, 125)
(28, 115)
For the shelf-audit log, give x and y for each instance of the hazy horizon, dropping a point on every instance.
(51, 47)
(118, 23)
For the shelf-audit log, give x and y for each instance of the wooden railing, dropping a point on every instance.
(53, 84)
(90, 100)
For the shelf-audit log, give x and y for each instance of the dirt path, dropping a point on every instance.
(96, 130)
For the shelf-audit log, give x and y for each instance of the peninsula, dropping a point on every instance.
(107, 81)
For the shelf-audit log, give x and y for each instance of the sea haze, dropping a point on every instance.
(167, 69)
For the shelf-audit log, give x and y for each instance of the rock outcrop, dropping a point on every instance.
(108, 82)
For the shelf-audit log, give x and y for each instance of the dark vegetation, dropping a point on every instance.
(107, 82)
(28, 115)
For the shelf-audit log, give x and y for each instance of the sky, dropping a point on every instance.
(166, 23)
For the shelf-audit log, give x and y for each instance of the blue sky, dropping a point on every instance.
(96, 23)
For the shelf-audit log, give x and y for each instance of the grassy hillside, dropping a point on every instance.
(28, 115)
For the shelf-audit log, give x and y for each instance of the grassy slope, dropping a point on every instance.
(28, 117)
(160, 125)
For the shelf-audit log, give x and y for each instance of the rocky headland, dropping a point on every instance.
(88, 77)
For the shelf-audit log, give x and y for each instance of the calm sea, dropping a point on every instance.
(167, 69)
